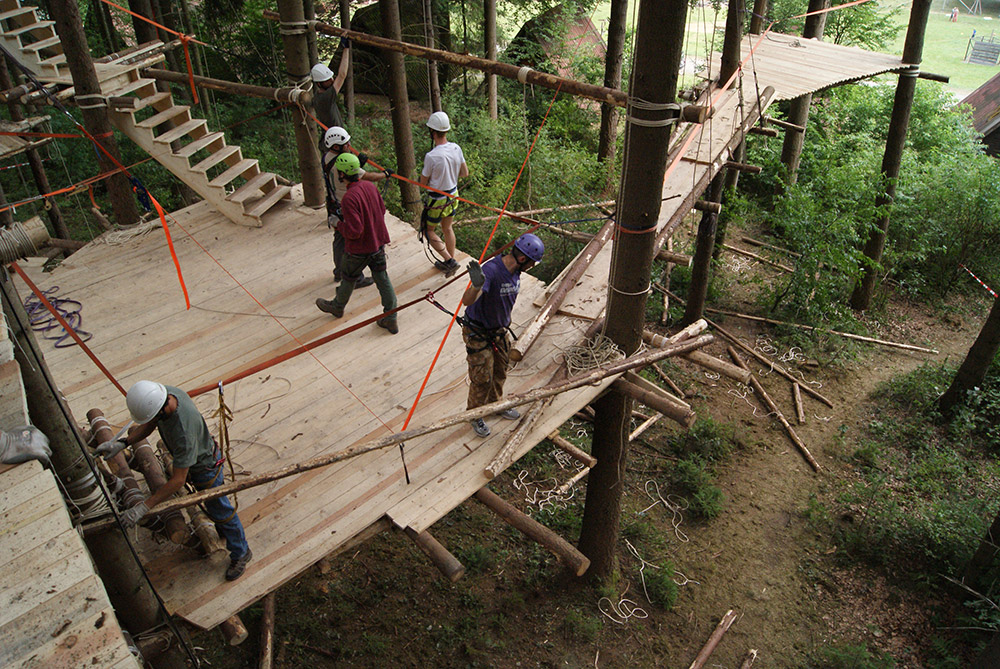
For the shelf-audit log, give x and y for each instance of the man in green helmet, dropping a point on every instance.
(365, 236)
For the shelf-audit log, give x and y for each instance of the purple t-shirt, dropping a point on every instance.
(492, 309)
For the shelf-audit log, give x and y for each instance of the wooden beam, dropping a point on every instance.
(286, 94)
(797, 400)
(266, 658)
(535, 212)
(234, 630)
(783, 124)
(766, 132)
(569, 449)
(445, 562)
(713, 641)
(576, 561)
(589, 378)
(759, 258)
(503, 458)
(684, 417)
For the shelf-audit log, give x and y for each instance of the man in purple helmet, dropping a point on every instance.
(489, 302)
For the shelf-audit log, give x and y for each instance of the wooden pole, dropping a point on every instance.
(566, 284)
(534, 212)
(701, 266)
(296, 48)
(749, 659)
(434, 92)
(607, 137)
(398, 98)
(569, 449)
(503, 458)
(645, 425)
(446, 563)
(287, 94)
(667, 380)
(234, 631)
(757, 19)
(797, 401)
(266, 660)
(102, 432)
(713, 641)
(348, 89)
(149, 466)
(589, 378)
(758, 258)
(895, 142)
(718, 366)
(576, 561)
(490, 49)
(684, 417)
(144, 31)
(759, 389)
(658, 46)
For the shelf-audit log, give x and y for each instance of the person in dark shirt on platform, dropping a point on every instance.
(489, 302)
(196, 458)
(365, 235)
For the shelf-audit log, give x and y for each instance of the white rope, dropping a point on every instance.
(122, 236)
(675, 504)
(522, 74)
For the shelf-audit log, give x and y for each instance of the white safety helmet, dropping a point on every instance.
(321, 72)
(335, 136)
(439, 121)
(145, 399)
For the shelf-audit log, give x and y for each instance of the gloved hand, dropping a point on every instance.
(133, 515)
(345, 42)
(332, 220)
(388, 173)
(476, 274)
(111, 448)
(362, 158)
(22, 444)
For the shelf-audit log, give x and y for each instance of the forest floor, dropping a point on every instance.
(767, 556)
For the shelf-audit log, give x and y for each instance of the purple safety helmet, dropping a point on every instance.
(530, 246)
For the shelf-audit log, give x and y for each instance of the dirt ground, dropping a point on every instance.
(384, 604)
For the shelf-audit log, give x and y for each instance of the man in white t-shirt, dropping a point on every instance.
(444, 165)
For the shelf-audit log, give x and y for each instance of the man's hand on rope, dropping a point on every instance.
(476, 274)
(132, 515)
(111, 448)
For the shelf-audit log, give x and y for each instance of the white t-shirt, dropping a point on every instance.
(442, 165)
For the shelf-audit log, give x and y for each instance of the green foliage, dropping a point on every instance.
(578, 626)
(870, 25)
(660, 586)
(850, 656)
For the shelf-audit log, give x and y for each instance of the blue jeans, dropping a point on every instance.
(219, 510)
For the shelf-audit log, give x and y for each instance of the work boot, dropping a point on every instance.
(238, 566)
(329, 307)
(510, 414)
(388, 324)
(364, 282)
(452, 266)
(441, 265)
(480, 427)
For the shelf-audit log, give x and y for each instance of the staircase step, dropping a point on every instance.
(28, 28)
(199, 144)
(54, 61)
(183, 129)
(43, 44)
(151, 100)
(236, 170)
(163, 116)
(252, 187)
(20, 11)
(268, 201)
(216, 158)
(136, 85)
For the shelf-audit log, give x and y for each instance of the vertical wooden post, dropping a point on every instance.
(757, 20)
(899, 123)
(267, 633)
(612, 79)
(659, 39)
(309, 9)
(348, 89)
(798, 111)
(293, 37)
(398, 98)
(490, 47)
(144, 31)
(434, 87)
(66, 14)
(705, 242)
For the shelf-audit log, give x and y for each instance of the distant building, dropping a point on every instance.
(985, 103)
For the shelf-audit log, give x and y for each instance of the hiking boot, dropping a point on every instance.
(329, 307)
(480, 427)
(389, 325)
(238, 566)
(364, 282)
(452, 266)
(441, 265)
(510, 414)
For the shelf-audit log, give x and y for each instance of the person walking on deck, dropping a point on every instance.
(365, 237)
(488, 305)
(196, 458)
(444, 165)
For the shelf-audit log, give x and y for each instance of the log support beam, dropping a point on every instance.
(446, 563)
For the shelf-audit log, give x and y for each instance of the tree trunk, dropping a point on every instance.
(401, 132)
(983, 557)
(659, 41)
(164, 16)
(434, 87)
(759, 14)
(729, 184)
(895, 142)
(731, 46)
(701, 265)
(115, 42)
(144, 31)
(490, 47)
(976, 365)
(34, 160)
(309, 9)
(607, 140)
(298, 66)
(798, 113)
(348, 89)
(465, 49)
(66, 14)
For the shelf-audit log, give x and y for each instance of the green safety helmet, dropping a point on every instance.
(347, 163)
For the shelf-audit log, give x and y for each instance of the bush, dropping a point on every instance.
(660, 586)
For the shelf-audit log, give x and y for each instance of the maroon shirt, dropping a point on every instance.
(363, 226)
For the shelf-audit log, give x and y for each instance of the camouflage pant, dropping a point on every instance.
(487, 368)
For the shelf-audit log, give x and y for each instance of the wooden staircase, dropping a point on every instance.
(200, 158)
(32, 42)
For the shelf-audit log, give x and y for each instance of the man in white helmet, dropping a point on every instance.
(327, 86)
(336, 140)
(196, 457)
(444, 165)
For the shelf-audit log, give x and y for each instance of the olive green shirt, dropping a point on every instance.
(186, 434)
